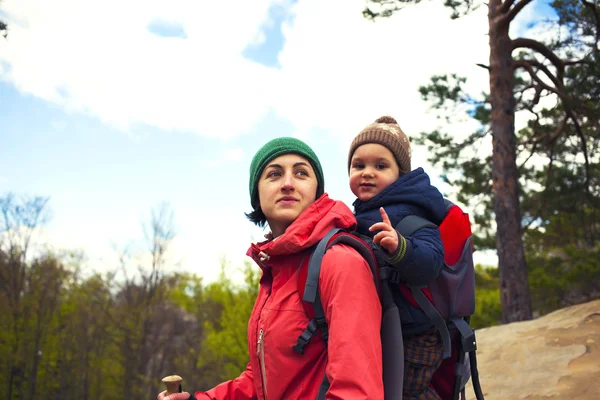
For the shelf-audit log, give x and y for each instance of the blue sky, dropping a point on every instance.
(168, 103)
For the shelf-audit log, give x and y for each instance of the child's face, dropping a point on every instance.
(372, 169)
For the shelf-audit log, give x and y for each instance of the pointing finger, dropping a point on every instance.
(384, 216)
(380, 226)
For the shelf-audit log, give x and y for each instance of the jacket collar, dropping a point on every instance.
(306, 231)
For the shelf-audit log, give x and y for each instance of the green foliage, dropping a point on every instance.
(70, 337)
(3, 27)
(559, 278)
(557, 150)
(386, 8)
(444, 90)
(225, 346)
(569, 276)
(186, 292)
(488, 311)
(111, 336)
(78, 338)
(564, 258)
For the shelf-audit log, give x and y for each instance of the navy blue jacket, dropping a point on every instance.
(411, 194)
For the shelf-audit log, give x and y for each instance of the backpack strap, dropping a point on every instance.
(407, 226)
(412, 223)
(310, 295)
(436, 318)
(335, 236)
(393, 356)
(467, 348)
(461, 370)
(311, 286)
(323, 388)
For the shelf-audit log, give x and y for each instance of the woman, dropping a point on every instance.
(287, 192)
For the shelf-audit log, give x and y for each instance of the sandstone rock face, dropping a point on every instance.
(553, 357)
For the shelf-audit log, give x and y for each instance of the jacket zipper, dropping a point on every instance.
(261, 354)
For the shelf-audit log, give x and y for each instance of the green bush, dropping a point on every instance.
(488, 311)
(557, 279)
(563, 277)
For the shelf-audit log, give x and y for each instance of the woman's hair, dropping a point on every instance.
(257, 216)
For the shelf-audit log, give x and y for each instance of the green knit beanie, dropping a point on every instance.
(276, 148)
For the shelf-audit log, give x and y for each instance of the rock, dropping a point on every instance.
(556, 356)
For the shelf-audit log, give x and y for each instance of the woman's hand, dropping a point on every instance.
(388, 237)
(173, 396)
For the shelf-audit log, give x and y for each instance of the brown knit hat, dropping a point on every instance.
(386, 132)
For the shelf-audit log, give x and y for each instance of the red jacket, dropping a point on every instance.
(352, 360)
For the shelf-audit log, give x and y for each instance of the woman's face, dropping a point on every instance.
(287, 186)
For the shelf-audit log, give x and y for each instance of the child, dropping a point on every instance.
(381, 177)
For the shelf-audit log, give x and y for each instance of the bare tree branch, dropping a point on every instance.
(543, 50)
(536, 97)
(531, 153)
(574, 62)
(504, 7)
(579, 132)
(527, 66)
(559, 85)
(569, 111)
(520, 93)
(512, 13)
(558, 131)
(21, 219)
(550, 167)
(549, 140)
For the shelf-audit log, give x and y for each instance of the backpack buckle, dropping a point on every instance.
(389, 274)
(468, 342)
(322, 324)
(305, 336)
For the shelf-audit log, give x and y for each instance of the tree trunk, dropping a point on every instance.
(514, 284)
(14, 382)
(36, 362)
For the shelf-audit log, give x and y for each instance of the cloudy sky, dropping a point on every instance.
(111, 107)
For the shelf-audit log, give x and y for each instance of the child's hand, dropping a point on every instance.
(388, 237)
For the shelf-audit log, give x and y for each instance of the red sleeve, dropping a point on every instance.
(240, 388)
(353, 312)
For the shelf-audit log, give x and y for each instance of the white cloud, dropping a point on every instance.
(342, 71)
(99, 58)
(338, 72)
(234, 154)
(532, 12)
(229, 155)
(209, 238)
(201, 242)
